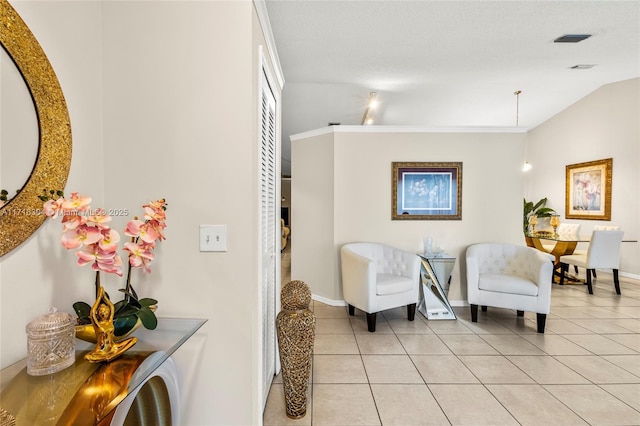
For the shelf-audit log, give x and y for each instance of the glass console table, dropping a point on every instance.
(435, 272)
(143, 381)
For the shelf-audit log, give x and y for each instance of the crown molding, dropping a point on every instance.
(405, 129)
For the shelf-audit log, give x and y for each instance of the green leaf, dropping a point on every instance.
(545, 212)
(127, 309)
(83, 310)
(147, 302)
(119, 305)
(148, 318)
(540, 204)
(124, 324)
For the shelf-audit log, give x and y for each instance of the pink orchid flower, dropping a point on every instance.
(101, 260)
(139, 256)
(72, 220)
(110, 240)
(83, 235)
(151, 213)
(53, 208)
(76, 202)
(100, 219)
(138, 228)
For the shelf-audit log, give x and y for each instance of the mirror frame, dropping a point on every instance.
(21, 216)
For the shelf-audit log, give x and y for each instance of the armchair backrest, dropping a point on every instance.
(504, 259)
(604, 249)
(387, 259)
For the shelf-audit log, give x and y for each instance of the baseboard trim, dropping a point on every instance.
(328, 301)
(332, 302)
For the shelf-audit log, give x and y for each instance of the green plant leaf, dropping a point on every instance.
(545, 212)
(83, 310)
(118, 305)
(148, 318)
(147, 302)
(124, 324)
(126, 310)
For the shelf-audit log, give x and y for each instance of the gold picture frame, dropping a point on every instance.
(426, 191)
(588, 190)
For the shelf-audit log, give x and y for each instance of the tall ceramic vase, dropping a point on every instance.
(296, 330)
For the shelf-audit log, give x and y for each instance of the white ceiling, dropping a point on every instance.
(446, 63)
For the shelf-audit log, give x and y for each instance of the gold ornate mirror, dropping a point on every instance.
(22, 215)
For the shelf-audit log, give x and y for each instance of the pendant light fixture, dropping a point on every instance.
(526, 166)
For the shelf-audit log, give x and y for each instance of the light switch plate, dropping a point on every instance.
(213, 237)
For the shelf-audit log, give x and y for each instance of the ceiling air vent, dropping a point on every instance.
(571, 38)
(582, 67)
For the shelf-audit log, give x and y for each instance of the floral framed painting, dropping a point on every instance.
(588, 190)
(426, 191)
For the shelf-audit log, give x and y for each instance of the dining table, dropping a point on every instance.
(563, 244)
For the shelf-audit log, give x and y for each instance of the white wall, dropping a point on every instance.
(602, 125)
(312, 214)
(163, 103)
(356, 162)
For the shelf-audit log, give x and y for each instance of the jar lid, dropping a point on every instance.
(51, 321)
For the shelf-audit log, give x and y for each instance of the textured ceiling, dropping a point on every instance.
(446, 63)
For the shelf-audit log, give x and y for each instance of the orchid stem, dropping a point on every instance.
(97, 283)
(128, 286)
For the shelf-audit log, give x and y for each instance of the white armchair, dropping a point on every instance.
(376, 277)
(509, 276)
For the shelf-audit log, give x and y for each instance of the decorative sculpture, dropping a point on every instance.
(296, 330)
(102, 319)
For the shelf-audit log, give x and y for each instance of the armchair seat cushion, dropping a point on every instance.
(509, 284)
(392, 284)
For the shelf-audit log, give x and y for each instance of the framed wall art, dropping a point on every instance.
(426, 191)
(588, 190)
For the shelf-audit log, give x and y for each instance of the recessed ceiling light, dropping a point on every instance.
(582, 67)
(571, 38)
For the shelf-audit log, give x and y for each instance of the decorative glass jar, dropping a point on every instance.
(50, 343)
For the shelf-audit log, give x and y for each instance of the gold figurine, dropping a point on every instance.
(102, 319)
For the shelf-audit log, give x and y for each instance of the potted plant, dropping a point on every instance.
(537, 210)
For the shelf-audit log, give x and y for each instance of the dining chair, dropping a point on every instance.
(603, 253)
(564, 229)
(584, 251)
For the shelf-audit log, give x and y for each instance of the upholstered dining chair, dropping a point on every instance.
(584, 251)
(564, 229)
(509, 276)
(603, 253)
(377, 277)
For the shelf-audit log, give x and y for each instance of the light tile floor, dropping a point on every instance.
(584, 370)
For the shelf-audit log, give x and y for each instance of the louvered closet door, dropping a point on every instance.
(268, 235)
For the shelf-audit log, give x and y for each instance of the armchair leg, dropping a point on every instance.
(411, 311)
(484, 308)
(371, 322)
(616, 281)
(575, 268)
(541, 319)
(352, 310)
(474, 313)
(589, 281)
(593, 271)
(520, 313)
